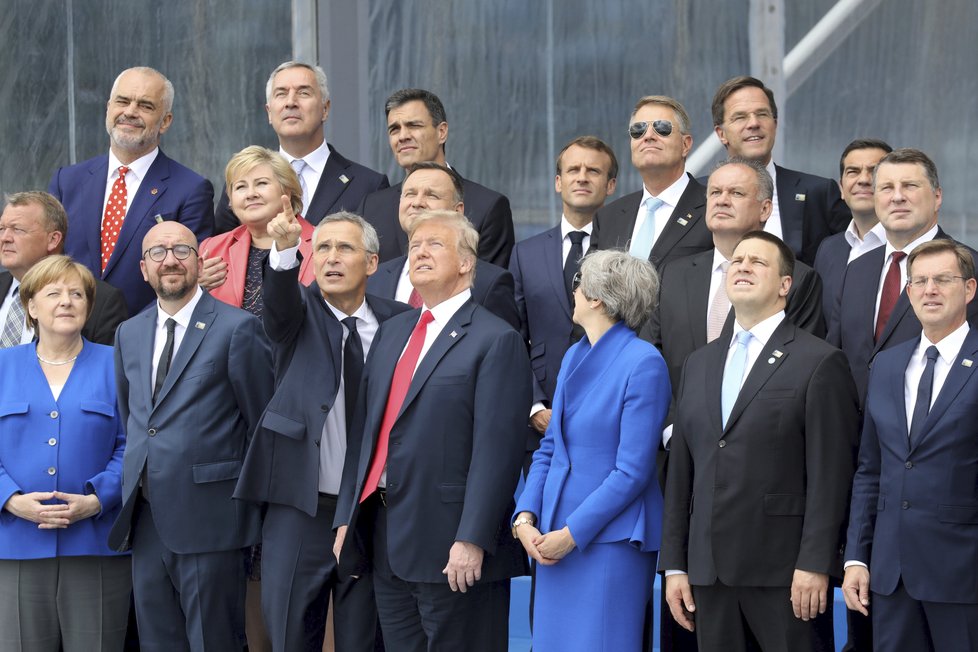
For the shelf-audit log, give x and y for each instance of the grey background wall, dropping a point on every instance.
(518, 78)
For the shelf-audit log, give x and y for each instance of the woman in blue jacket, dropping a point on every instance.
(591, 512)
(61, 446)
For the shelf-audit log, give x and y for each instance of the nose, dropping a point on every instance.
(865, 177)
(291, 98)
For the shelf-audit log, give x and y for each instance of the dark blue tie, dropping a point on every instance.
(924, 389)
(352, 367)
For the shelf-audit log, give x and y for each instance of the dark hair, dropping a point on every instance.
(456, 178)
(431, 102)
(598, 145)
(910, 155)
(786, 266)
(966, 263)
(861, 143)
(731, 86)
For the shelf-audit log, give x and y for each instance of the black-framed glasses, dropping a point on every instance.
(158, 253)
(637, 129)
(575, 281)
(942, 281)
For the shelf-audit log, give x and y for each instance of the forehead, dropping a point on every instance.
(757, 248)
(434, 179)
(733, 175)
(936, 263)
(27, 215)
(868, 156)
(900, 172)
(654, 112)
(576, 154)
(136, 83)
(747, 98)
(413, 111)
(340, 231)
(296, 77)
(256, 172)
(434, 229)
(169, 233)
(71, 279)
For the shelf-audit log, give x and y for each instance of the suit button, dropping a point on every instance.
(908, 465)
(52, 470)
(317, 442)
(52, 441)
(324, 408)
(905, 504)
(151, 432)
(54, 414)
(723, 443)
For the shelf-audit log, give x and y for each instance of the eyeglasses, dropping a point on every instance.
(158, 253)
(942, 281)
(637, 129)
(575, 281)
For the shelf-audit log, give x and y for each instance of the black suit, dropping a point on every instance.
(747, 504)
(811, 209)
(830, 263)
(492, 288)
(684, 235)
(281, 470)
(108, 312)
(488, 211)
(342, 187)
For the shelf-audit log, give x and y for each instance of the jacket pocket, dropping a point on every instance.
(452, 493)
(448, 380)
(283, 425)
(6, 409)
(775, 393)
(784, 504)
(217, 471)
(966, 514)
(98, 407)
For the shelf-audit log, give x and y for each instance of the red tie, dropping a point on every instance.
(403, 373)
(415, 299)
(115, 212)
(891, 293)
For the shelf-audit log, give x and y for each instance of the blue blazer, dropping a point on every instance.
(169, 190)
(80, 436)
(914, 513)
(595, 469)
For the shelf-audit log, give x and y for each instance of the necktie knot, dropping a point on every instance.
(931, 353)
(298, 165)
(725, 267)
(170, 325)
(897, 256)
(743, 338)
(652, 204)
(123, 170)
(350, 323)
(576, 237)
(426, 318)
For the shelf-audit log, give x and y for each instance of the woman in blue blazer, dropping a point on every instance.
(61, 446)
(591, 512)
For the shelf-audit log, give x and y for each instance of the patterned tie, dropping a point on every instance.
(890, 294)
(573, 262)
(645, 238)
(403, 373)
(352, 367)
(924, 390)
(719, 307)
(115, 213)
(13, 327)
(733, 376)
(166, 356)
(299, 165)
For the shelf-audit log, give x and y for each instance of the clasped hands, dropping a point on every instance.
(546, 549)
(48, 516)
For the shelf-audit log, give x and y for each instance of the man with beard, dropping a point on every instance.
(113, 200)
(193, 376)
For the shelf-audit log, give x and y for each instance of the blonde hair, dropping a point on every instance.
(254, 155)
(51, 270)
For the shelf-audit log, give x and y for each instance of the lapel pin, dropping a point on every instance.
(158, 218)
(770, 360)
(344, 178)
(153, 191)
(966, 362)
(452, 334)
(200, 325)
(777, 354)
(682, 221)
(800, 197)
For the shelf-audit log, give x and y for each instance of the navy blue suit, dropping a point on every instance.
(811, 209)
(170, 190)
(487, 209)
(342, 187)
(830, 263)
(493, 287)
(914, 514)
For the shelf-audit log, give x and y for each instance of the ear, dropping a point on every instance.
(785, 286)
(372, 264)
(969, 289)
(610, 188)
(767, 207)
(326, 106)
(687, 144)
(167, 120)
(142, 268)
(442, 130)
(938, 197)
(718, 129)
(557, 184)
(55, 240)
(268, 112)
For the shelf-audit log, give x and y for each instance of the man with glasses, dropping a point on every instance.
(193, 377)
(806, 208)
(664, 220)
(873, 312)
(912, 554)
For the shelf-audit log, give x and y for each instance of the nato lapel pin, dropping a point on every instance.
(966, 362)
(452, 334)
(777, 354)
(800, 197)
(158, 218)
(200, 325)
(345, 179)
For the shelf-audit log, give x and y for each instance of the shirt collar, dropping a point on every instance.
(927, 237)
(566, 227)
(444, 310)
(316, 159)
(183, 315)
(773, 171)
(761, 331)
(359, 313)
(670, 196)
(718, 260)
(139, 167)
(875, 236)
(948, 348)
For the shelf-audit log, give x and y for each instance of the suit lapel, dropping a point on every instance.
(684, 215)
(238, 265)
(791, 209)
(94, 200)
(717, 359)
(6, 280)
(772, 356)
(151, 189)
(334, 332)
(896, 389)
(553, 254)
(201, 321)
(333, 182)
(900, 311)
(957, 378)
(698, 296)
(146, 332)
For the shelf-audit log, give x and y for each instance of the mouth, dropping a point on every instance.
(333, 274)
(754, 139)
(135, 124)
(743, 281)
(423, 267)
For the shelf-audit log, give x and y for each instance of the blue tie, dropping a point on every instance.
(733, 376)
(641, 245)
(924, 392)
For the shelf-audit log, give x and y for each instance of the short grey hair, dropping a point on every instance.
(627, 286)
(316, 70)
(167, 85)
(765, 184)
(467, 237)
(371, 243)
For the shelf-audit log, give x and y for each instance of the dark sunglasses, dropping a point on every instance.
(637, 129)
(575, 281)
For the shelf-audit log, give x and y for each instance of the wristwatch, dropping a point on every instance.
(523, 520)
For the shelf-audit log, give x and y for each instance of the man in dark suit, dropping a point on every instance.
(873, 311)
(864, 233)
(543, 269)
(417, 128)
(32, 227)
(807, 208)
(113, 200)
(434, 186)
(194, 375)
(295, 463)
(911, 538)
(446, 392)
(297, 103)
(664, 220)
(762, 457)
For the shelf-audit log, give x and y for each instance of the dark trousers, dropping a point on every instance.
(430, 617)
(185, 601)
(902, 623)
(727, 616)
(298, 575)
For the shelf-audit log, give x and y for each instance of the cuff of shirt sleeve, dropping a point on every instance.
(666, 436)
(537, 407)
(283, 260)
(679, 572)
(853, 562)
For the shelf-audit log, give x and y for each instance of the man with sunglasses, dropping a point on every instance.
(807, 208)
(664, 220)
(193, 377)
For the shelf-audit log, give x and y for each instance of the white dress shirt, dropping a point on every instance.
(773, 224)
(182, 318)
(134, 177)
(312, 172)
(404, 286)
(669, 197)
(888, 255)
(875, 237)
(565, 241)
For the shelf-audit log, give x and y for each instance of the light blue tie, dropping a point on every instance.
(641, 245)
(733, 376)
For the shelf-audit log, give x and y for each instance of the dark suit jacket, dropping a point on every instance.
(282, 465)
(684, 235)
(915, 502)
(492, 288)
(192, 441)
(830, 263)
(749, 503)
(456, 447)
(854, 330)
(169, 190)
(811, 209)
(332, 195)
(108, 312)
(678, 325)
(488, 211)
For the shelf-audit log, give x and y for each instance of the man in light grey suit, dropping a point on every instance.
(193, 375)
